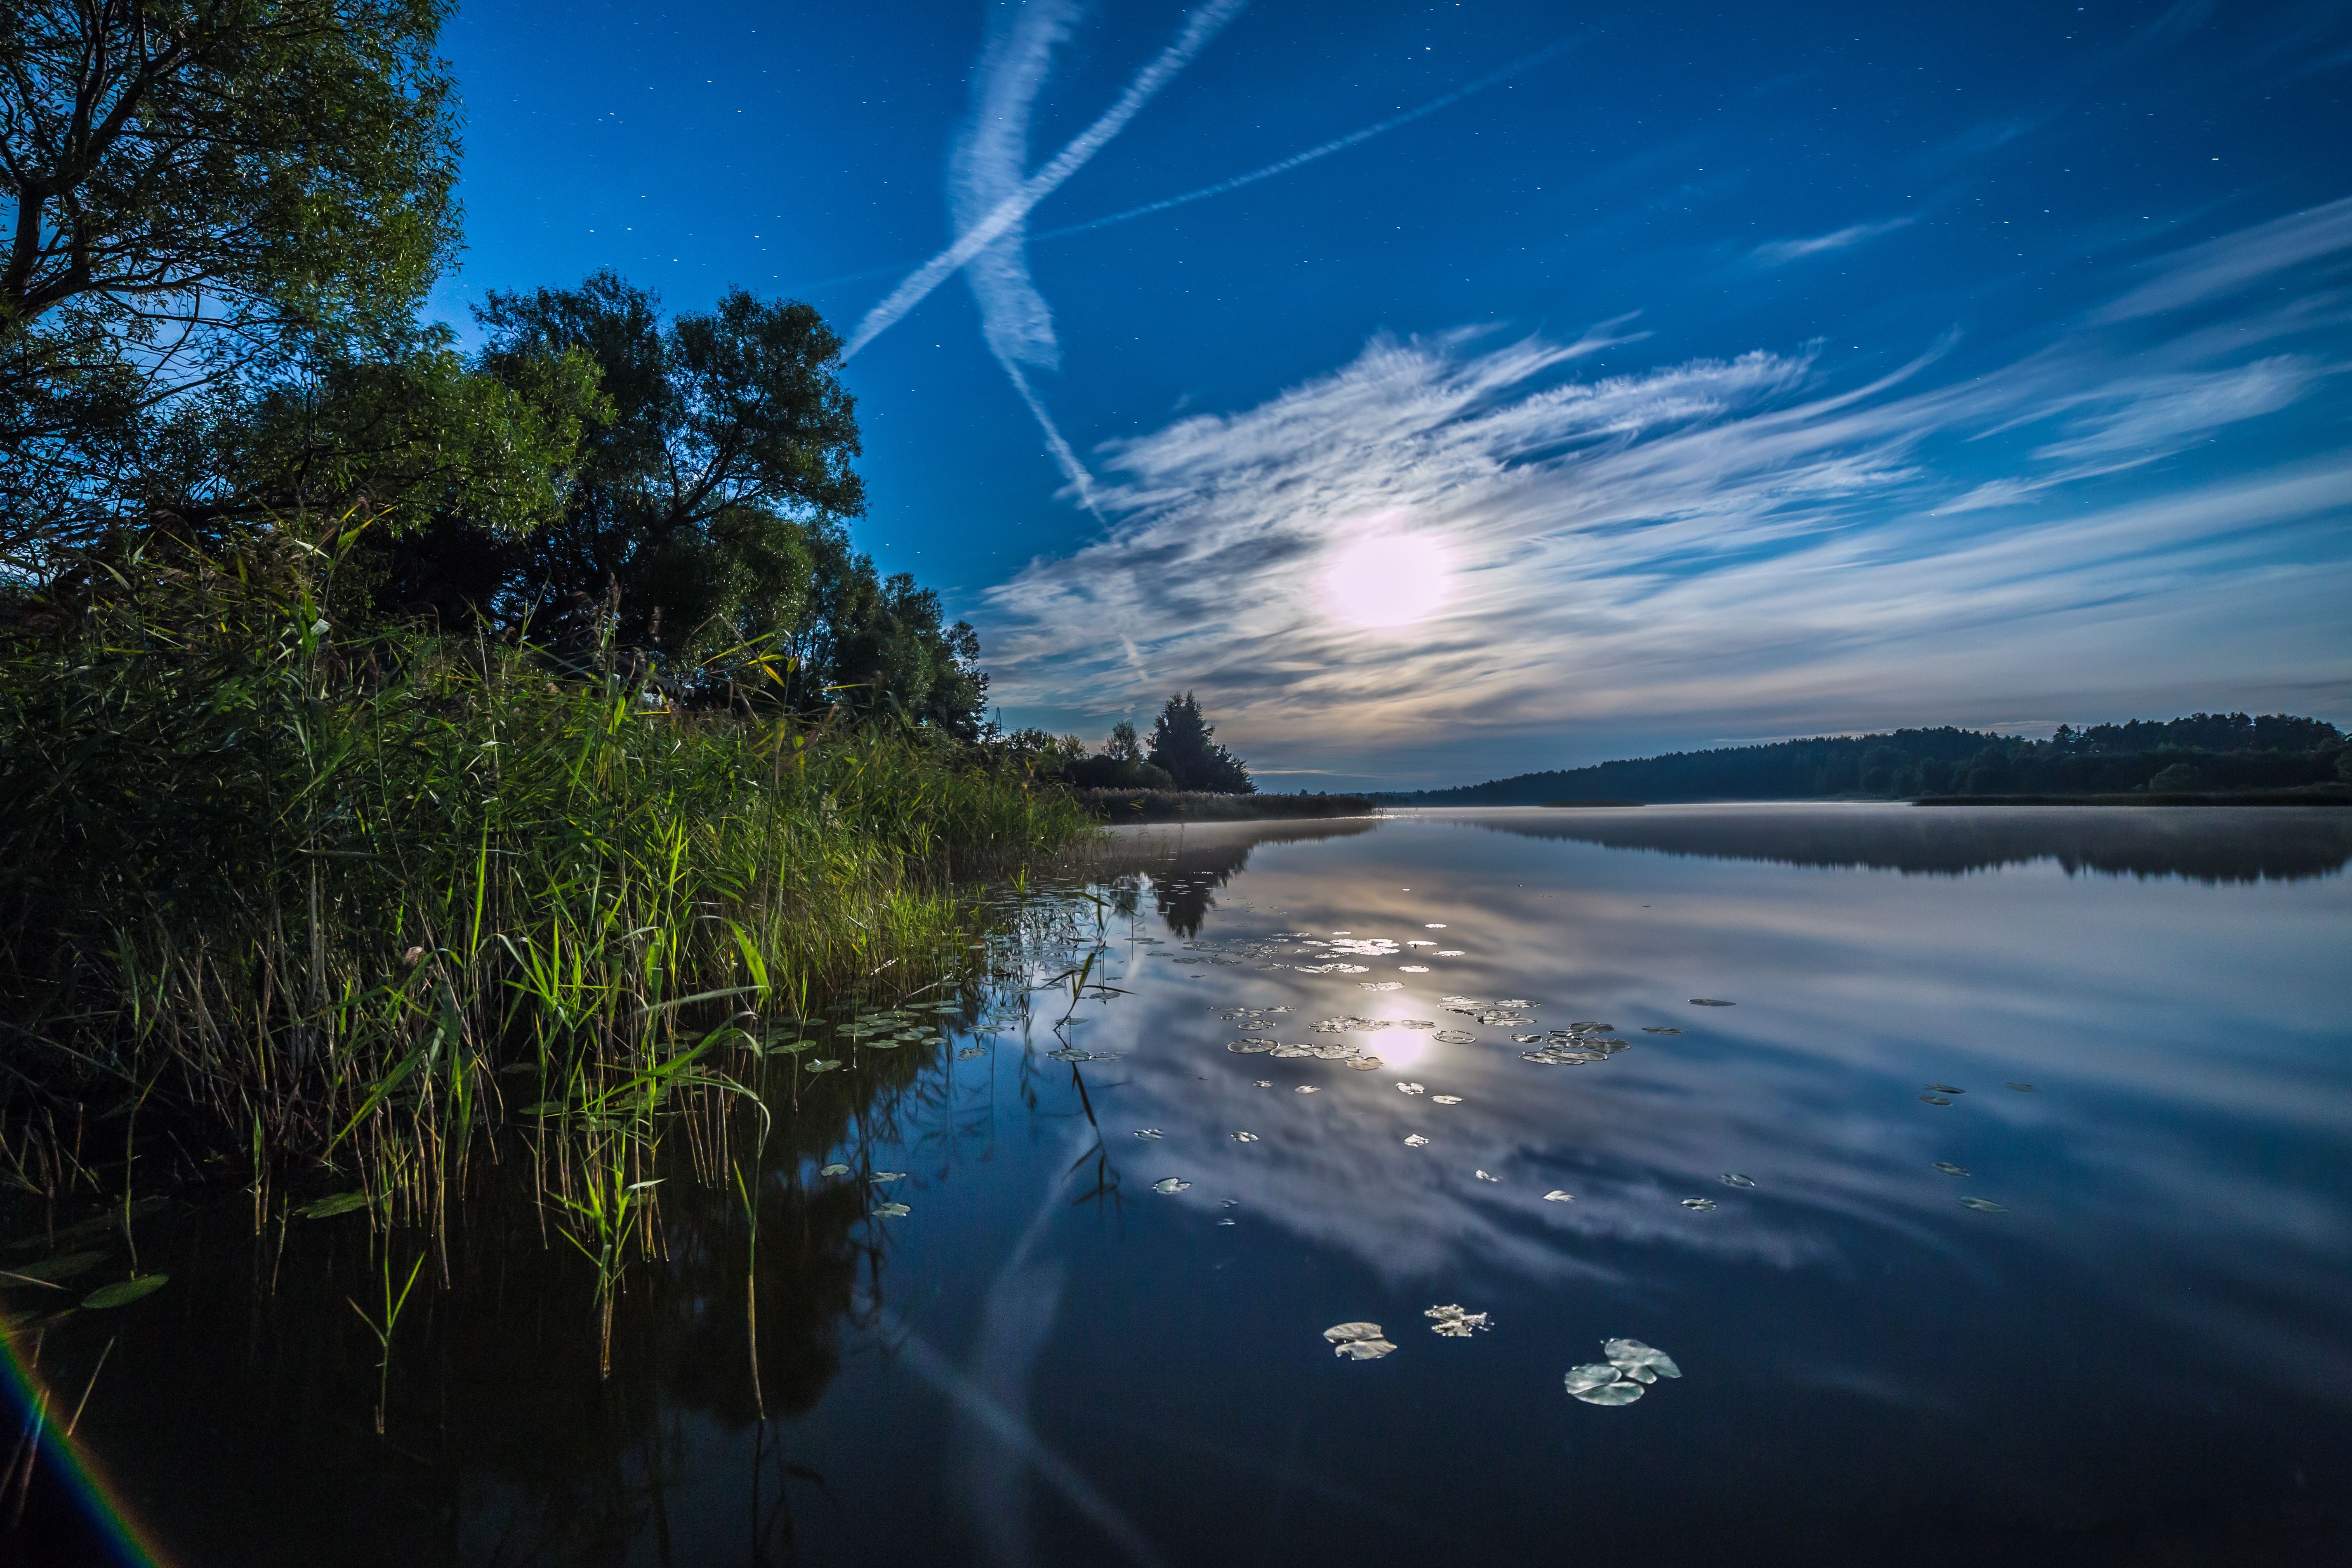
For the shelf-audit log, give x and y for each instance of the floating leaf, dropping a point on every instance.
(835, 1169)
(1412, 969)
(1949, 1170)
(1244, 1137)
(1590, 1375)
(1734, 1179)
(1639, 1360)
(1363, 1349)
(1557, 1196)
(1365, 1064)
(328, 1208)
(1935, 1100)
(1449, 952)
(1702, 1205)
(2023, 1087)
(823, 1066)
(1148, 1132)
(1340, 1333)
(1409, 1089)
(122, 1292)
(1169, 1184)
(1983, 1205)
(887, 1176)
(1619, 1392)
(1306, 1088)
(1485, 1177)
(1454, 1036)
(1711, 1002)
(1445, 1100)
(1263, 1083)
(1456, 1323)
(1415, 1141)
(1655, 1029)
(969, 1052)
(891, 1211)
(1942, 1088)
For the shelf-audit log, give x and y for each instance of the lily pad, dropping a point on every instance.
(1169, 1184)
(1449, 952)
(1379, 985)
(1415, 1141)
(1655, 1029)
(1734, 1179)
(1485, 1177)
(1366, 1064)
(1409, 1089)
(1306, 1088)
(1618, 1393)
(1412, 969)
(1557, 1196)
(1634, 1359)
(1340, 1333)
(122, 1292)
(1363, 1349)
(1590, 1375)
(1244, 1137)
(1454, 1036)
(1445, 1100)
(1456, 1323)
(1935, 1100)
(824, 1067)
(891, 1211)
(881, 1176)
(1701, 1204)
(1942, 1088)
(1711, 1002)
(835, 1169)
(1948, 1169)
(971, 1052)
(1983, 1205)
(1148, 1132)
(1263, 1083)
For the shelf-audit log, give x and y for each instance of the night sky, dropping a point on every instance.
(1449, 391)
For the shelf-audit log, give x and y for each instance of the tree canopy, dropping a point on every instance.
(1183, 745)
(199, 191)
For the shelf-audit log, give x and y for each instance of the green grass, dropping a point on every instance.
(363, 899)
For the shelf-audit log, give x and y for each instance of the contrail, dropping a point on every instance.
(1446, 101)
(1200, 28)
(1072, 470)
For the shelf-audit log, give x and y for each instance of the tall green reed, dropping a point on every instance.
(364, 898)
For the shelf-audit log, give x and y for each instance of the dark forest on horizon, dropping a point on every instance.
(2200, 753)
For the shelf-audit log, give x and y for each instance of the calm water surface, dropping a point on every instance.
(2144, 1355)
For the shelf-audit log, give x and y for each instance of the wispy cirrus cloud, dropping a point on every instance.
(1780, 252)
(1736, 538)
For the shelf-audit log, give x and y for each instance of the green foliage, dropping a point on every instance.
(1183, 746)
(329, 884)
(198, 190)
(1124, 747)
(2279, 751)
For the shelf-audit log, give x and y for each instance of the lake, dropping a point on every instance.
(2003, 1215)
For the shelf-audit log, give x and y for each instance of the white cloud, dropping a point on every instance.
(1777, 252)
(1722, 543)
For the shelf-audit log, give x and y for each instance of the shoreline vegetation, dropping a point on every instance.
(1116, 807)
(345, 907)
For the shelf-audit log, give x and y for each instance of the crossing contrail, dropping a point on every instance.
(1200, 28)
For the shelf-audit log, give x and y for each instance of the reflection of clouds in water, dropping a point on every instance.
(995, 1448)
(2182, 1050)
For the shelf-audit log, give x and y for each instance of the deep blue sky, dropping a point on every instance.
(1720, 374)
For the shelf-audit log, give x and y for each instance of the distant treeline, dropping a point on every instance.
(2202, 752)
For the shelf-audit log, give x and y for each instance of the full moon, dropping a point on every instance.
(1388, 580)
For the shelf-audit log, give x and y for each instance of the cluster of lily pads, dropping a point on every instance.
(1630, 1367)
(1573, 1046)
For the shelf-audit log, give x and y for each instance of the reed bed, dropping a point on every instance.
(359, 900)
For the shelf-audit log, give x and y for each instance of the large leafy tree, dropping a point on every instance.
(1184, 745)
(708, 510)
(195, 193)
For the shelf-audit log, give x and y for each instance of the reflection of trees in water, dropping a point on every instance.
(2206, 844)
(1187, 870)
(502, 1446)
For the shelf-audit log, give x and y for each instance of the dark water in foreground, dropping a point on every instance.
(2145, 1355)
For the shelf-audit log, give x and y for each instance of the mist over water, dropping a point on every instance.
(2140, 1348)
